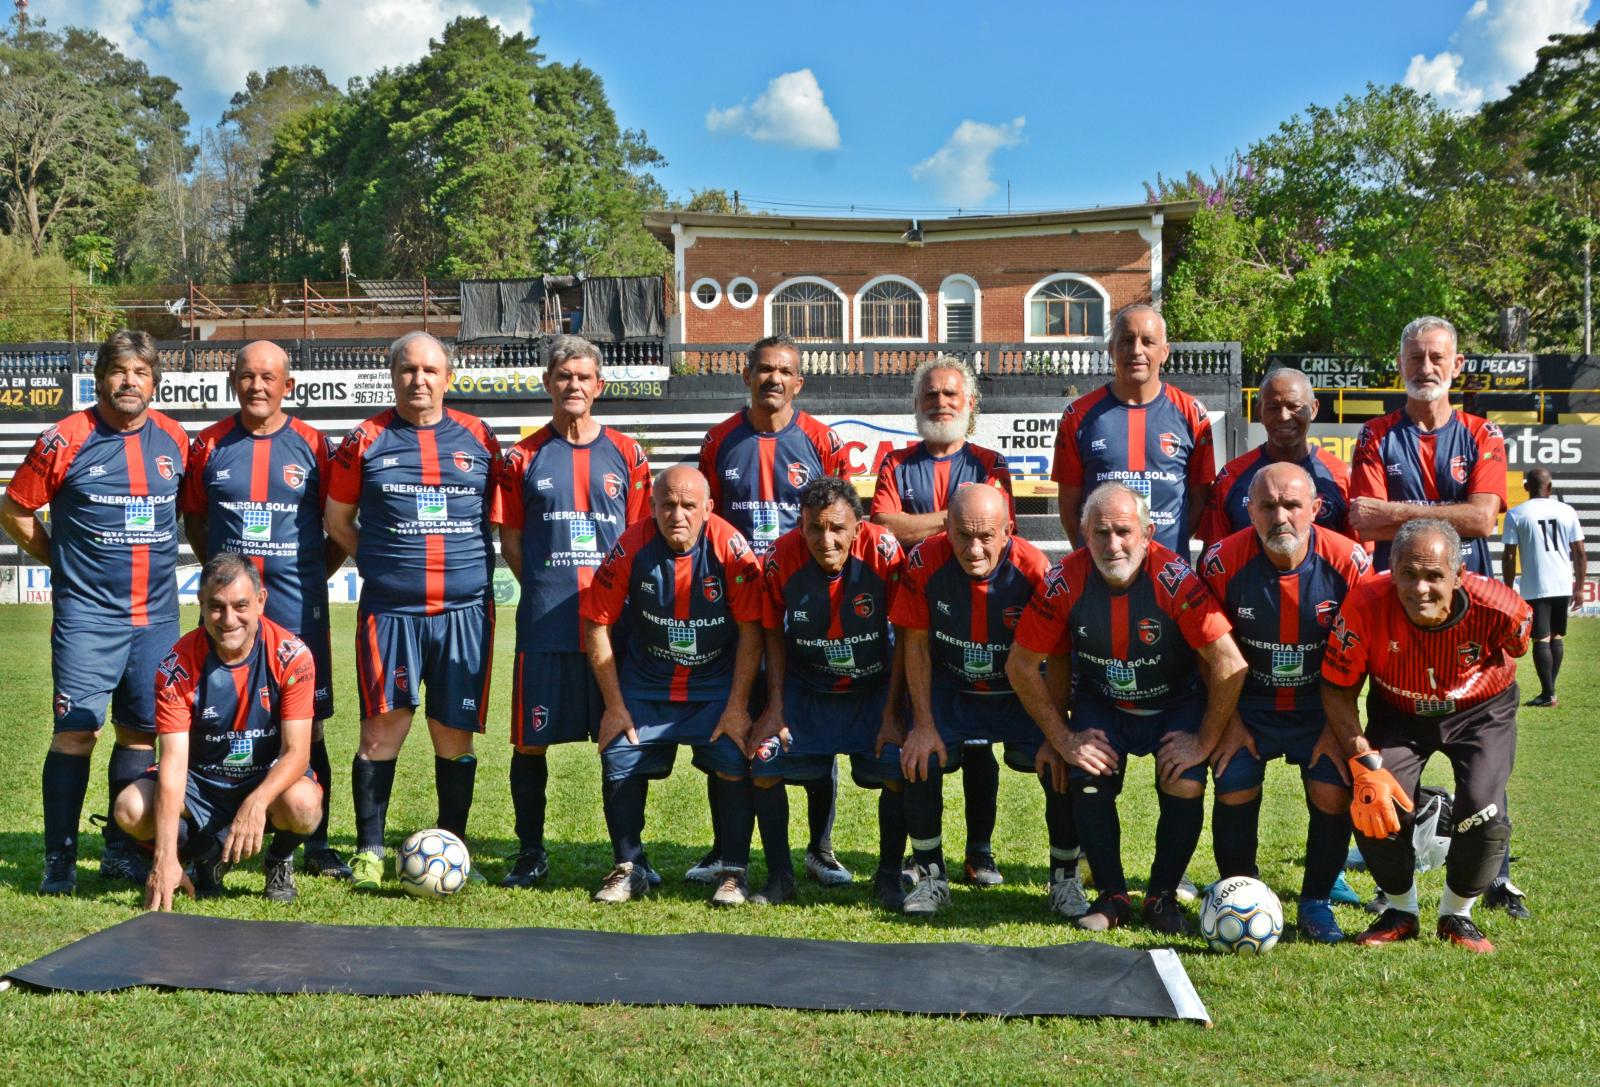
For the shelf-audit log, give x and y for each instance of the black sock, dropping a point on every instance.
(65, 782)
(1327, 846)
(1100, 831)
(1061, 829)
(371, 782)
(820, 796)
(453, 780)
(1235, 829)
(1504, 875)
(714, 803)
(320, 766)
(891, 830)
(924, 807)
(529, 775)
(283, 845)
(623, 802)
(1558, 649)
(772, 815)
(1177, 833)
(736, 812)
(127, 765)
(980, 789)
(1544, 665)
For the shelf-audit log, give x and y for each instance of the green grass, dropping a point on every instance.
(1423, 1012)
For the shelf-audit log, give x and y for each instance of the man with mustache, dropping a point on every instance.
(756, 461)
(110, 475)
(1281, 581)
(914, 488)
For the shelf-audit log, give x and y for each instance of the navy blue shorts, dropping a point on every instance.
(450, 653)
(1278, 733)
(1133, 734)
(116, 664)
(554, 700)
(967, 720)
(663, 727)
(212, 803)
(822, 726)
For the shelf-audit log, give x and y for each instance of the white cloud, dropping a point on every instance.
(959, 172)
(791, 112)
(209, 46)
(1496, 44)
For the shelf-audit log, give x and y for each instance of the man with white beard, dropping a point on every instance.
(913, 492)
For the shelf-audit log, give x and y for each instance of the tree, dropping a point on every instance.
(35, 291)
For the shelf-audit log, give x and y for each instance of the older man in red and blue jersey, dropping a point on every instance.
(567, 493)
(835, 680)
(1281, 581)
(110, 475)
(420, 479)
(1139, 431)
(256, 486)
(755, 462)
(685, 591)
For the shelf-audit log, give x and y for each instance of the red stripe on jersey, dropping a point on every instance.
(1119, 619)
(375, 686)
(433, 559)
(260, 480)
(941, 484)
(1427, 445)
(1288, 629)
(768, 450)
(580, 480)
(241, 696)
(979, 631)
(516, 701)
(139, 575)
(1136, 440)
(682, 587)
(488, 673)
(835, 623)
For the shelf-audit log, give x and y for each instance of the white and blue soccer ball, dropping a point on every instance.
(1241, 915)
(434, 864)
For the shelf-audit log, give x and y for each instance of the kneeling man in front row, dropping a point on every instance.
(234, 702)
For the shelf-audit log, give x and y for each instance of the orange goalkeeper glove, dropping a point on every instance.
(1375, 794)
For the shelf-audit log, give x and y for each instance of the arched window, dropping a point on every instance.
(891, 309)
(958, 302)
(1067, 306)
(808, 310)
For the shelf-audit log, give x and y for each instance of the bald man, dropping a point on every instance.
(1288, 407)
(962, 595)
(1281, 581)
(257, 486)
(687, 588)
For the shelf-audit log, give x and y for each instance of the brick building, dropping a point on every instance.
(1055, 277)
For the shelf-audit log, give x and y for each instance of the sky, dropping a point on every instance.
(859, 108)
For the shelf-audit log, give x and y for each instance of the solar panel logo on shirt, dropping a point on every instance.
(977, 661)
(1435, 707)
(240, 751)
(1139, 485)
(432, 506)
(1122, 676)
(681, 639)
(139, 515)
(764, 521)
(1288, 662)
(257, 525)
(583, 535)
(840, 655)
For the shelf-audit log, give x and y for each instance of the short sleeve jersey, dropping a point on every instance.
(835, 626)
(971, 622)
(1431, 672)
(912, 480)
(756, 478)
(1543, 531)
(1397, 461)
(113, 498)
(680, 612)
(1159, 449)
(571, 503)
(234, 713)
(263, 496)
(1135, 646)
(426, 497)
(1281, 618)
(1228, 511)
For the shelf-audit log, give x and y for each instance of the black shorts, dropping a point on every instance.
(1480, 742)
(1550, 616)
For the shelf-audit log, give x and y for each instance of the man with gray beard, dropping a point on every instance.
(912, 495)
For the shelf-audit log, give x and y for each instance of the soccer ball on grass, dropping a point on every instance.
(433, 864)
(1241, 915)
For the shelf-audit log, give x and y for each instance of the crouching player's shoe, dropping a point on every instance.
(280, 879)
(1391, 927)
(60, 873)
(366, 870)
(929, 893)
(325, 862)
(1463, 933)
(1317, 922)
(624, 883)
(206, 876)
(123, 860)
(1503, 895)
(1066, 894)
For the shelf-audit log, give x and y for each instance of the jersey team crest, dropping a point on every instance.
(863, 605)
(1458, 469)
(1171, 444)
(294, 475)
(1326, 610)
(613, 485)
(165, 466)
(1470, 653)
(1149, 631)
(799, 474)
(539, 718)
(463, 460)
(712, 588)
(1011, 617)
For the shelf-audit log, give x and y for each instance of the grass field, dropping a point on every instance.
(1420, 1013)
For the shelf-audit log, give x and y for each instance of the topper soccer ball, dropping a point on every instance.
(433, 864)
(1241, 915)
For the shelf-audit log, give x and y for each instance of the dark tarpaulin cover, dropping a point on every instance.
(501, 307)
(183, 951)
(622, 308)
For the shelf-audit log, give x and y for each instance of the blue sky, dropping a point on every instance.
(820, 106)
